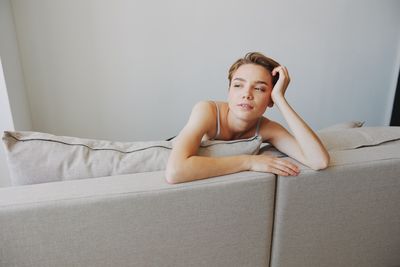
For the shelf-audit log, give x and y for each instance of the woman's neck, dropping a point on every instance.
(238, 127)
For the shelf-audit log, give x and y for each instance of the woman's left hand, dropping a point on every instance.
(281, 85)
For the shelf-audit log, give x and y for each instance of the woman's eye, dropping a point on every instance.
(236, 85)
(260, 89)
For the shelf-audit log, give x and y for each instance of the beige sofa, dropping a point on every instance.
(346, 215)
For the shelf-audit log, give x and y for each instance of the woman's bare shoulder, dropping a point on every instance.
(211, 104)
(269, 128)
(202, 115)
(204, 107)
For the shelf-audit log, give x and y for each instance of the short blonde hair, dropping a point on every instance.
(254, 58)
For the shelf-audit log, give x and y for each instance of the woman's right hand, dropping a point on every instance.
(264, 163)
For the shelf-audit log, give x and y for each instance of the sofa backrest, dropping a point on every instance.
(138, 220)
(346, 215)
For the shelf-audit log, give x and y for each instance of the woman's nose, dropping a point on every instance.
(247, 94)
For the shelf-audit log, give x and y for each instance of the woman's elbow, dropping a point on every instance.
(173, 174)
(320, 164)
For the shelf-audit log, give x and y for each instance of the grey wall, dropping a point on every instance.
(132, 70)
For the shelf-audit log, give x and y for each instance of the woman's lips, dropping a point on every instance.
(245, 106)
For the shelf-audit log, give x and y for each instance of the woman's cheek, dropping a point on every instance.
(232, 94)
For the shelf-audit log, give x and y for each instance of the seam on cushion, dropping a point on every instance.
(126, 152)
(113, 195)
(95, 149)
(231, 142)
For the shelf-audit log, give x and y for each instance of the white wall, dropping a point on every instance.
(131, 70)
(14, 109)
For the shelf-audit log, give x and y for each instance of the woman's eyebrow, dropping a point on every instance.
(241, 79)
(262, 82)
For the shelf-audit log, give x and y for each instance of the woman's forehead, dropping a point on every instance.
(252, 72)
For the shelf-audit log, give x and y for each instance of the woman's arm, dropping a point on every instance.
(304, 145)
(183, 164)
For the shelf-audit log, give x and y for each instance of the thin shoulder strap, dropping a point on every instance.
(258, 126)
(218, 123)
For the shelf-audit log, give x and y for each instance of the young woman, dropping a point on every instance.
(255, 83)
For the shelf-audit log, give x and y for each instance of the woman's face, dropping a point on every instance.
(250, 91)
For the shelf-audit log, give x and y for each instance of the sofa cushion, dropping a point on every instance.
(270, 150)
(351, 138)
(35, 157)
(336, 138)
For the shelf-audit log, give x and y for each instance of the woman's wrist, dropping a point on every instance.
(247, 162)
(279, 100)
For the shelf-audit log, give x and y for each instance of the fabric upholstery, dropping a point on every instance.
(337, 138)
(35, 157)
(351, 138)
(346, 215)
(139, 220)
